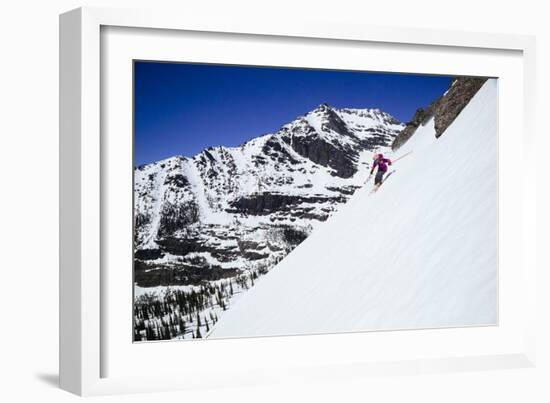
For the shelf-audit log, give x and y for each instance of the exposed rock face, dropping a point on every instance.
(341, 157)
(175, 216)
(270, 203)
(448, 107)
(319, 151)
(228, 209)
(444, 109)
(419, 117)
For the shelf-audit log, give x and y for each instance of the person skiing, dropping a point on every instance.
(382, 164)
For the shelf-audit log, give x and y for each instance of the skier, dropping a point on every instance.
(382, 164)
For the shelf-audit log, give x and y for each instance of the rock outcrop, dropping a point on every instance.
(444, 109)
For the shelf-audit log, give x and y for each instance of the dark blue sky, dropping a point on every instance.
(181, 109)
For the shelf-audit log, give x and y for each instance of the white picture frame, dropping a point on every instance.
(85, 344)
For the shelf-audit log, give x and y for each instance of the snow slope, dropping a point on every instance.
(422, 252)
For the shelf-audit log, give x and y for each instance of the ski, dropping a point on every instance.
(387, 176)
(376, 187)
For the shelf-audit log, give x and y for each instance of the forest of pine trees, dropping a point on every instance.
(188, 314)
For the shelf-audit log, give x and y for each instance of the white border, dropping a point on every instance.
(120, 46)
(81, 345)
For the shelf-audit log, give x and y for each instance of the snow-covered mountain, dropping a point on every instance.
(421, 252)
(229, 209)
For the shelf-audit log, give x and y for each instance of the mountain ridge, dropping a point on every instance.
(321, 106)
(227, 208)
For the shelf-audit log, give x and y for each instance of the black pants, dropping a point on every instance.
(379, 176)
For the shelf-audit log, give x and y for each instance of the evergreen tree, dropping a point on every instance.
(198, 320)
(181, 325)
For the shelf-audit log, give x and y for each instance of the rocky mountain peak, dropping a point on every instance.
(226, 208)
(324, 107)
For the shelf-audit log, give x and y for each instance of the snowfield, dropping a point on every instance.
(419, 253)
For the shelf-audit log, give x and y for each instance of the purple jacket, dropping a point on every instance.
(381, 163)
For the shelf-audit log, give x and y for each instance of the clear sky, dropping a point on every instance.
(181, 108)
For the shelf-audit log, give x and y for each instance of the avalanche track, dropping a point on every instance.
(421, 252)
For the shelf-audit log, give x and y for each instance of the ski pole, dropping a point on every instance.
(368, 179)
(403, 156)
